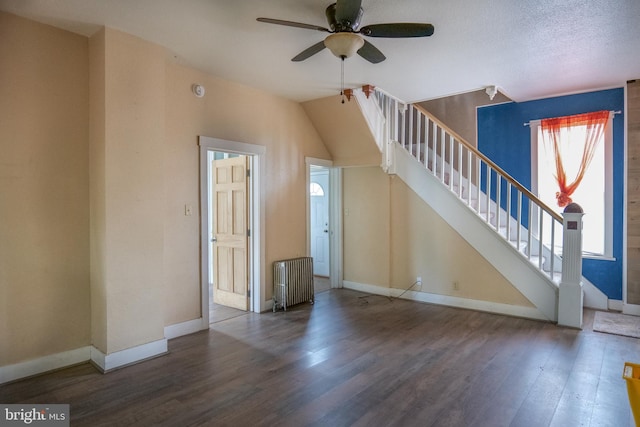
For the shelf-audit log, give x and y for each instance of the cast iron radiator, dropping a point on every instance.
(292, 282)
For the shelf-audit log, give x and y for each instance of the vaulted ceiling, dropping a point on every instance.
(530, 49)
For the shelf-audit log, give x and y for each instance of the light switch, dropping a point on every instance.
(187, 210)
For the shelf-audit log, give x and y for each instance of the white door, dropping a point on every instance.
(319, 220)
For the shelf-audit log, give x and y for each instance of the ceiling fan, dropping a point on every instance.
(345, 38)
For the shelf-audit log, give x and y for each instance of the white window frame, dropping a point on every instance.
(608, 172)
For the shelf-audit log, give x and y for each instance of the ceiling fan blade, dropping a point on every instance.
(371, 53)
(293, 24)
(309, 52)
(398, 30)
(348, 10)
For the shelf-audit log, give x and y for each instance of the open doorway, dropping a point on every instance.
(229, 227)
(324, 235)
(232, 228)
(319, 192)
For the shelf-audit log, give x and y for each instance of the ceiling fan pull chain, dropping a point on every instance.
(342, 78)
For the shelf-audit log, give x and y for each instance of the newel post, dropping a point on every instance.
(571, 295)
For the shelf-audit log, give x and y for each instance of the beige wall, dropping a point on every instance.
(44, 190)
(391, 236)
(344, 130)
(423, 244)
(237, 113)
(99, 143)
(97, 188)
(366, 225)
(129, 207)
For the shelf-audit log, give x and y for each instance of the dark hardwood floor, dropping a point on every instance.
(360, 360)
(219, 313)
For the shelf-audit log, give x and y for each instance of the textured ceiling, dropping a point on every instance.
(529, 48)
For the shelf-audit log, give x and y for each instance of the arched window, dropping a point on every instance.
(316, 189)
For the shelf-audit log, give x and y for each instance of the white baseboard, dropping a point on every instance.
(44, 364)
(450, 301)
(615, 305)
(184, 328)
(65, 359)
(631, 309)
(119, 359)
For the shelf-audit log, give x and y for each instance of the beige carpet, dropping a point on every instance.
(617, 324)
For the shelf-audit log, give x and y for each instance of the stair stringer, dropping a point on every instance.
(373, 116)
(593, 296)
(518, 270)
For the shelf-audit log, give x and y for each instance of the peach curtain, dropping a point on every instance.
(595, 123)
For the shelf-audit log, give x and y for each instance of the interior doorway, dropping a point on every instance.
(319, 219)
(232, 228)
(229, 230)
(324, 235)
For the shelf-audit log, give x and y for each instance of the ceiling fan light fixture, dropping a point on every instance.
(344, 45)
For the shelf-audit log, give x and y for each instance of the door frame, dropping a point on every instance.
(256, 219)
(335, 217)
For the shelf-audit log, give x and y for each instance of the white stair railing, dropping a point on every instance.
(505, 205)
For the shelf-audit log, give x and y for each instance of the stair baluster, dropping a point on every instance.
(446, 155)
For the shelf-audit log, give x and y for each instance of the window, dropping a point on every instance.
(315, 189)
(595, 192)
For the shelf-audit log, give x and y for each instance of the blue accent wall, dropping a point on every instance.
(505, 140)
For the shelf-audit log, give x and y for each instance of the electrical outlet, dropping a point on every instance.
(456, 286)
(419, 282)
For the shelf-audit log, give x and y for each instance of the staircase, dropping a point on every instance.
(515, 231)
